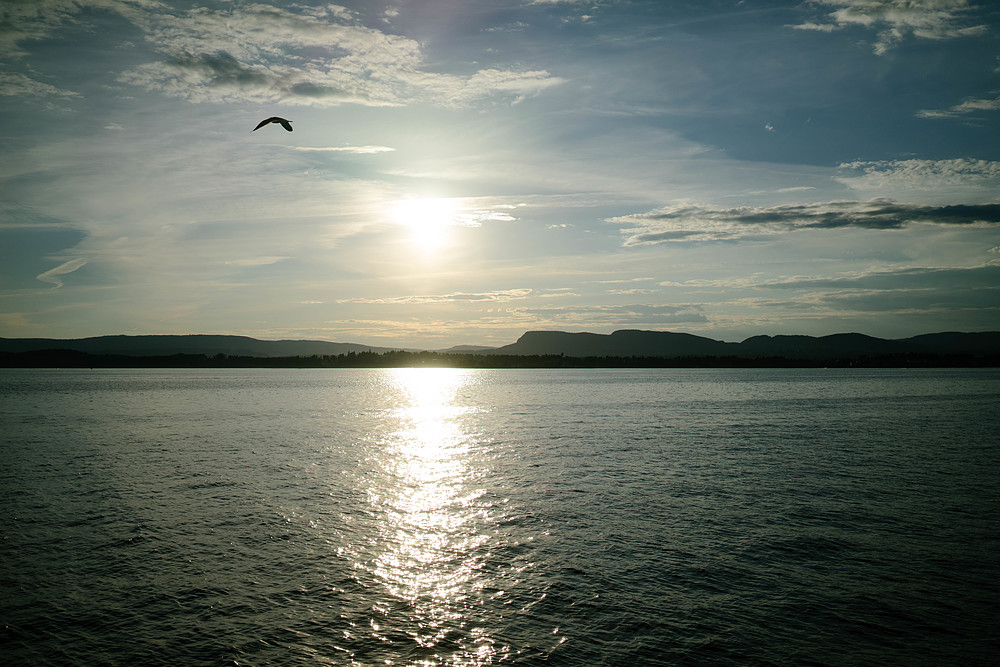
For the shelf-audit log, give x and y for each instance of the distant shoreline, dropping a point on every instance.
(404, 359)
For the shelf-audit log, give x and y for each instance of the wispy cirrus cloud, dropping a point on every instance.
(52, 275)
(476, 217)
(631, 292)
(698, 222)
(15, 84)
(623, 281)
(896, 20)
(615, 315)
(357, 150)
(250, 262)
(499, 295)
(963, 109)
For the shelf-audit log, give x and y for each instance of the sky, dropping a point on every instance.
(463, 171)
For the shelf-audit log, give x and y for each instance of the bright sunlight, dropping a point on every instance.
(428, 220)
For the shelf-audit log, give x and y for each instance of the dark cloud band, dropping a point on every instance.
(707, 223)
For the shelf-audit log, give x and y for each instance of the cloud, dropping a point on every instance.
(983, 276)
(358, 150)
(983, 175)
(476, 217)
(622, 281)
(896, 20)
(52, 275)
(517, 26)
(260, 53)
(739, 282)
(257, 261)
(615, 315)
(818, 27)
(500, 295)
(696, 222)
(14, 84)
(317, 57)
(963, 109)
(515, 86)
(631, 292)
(35, 20)
(915, 289)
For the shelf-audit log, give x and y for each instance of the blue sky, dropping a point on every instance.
(462, 172)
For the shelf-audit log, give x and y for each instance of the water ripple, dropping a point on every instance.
(444, 517)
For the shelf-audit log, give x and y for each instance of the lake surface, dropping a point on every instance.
(470, 517)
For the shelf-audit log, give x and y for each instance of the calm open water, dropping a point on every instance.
(469, 517)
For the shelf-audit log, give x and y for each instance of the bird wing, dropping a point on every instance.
(273, 119)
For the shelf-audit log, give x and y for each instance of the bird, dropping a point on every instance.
(287, 124)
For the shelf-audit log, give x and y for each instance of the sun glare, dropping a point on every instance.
(430, 551)
(427, 220)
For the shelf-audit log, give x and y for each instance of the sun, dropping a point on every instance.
(427, 220)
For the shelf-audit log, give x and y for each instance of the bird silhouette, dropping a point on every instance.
(287, 124)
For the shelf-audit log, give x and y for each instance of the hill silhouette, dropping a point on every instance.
(624, 343)
(624, 348)
(165, 345)
(635, 343)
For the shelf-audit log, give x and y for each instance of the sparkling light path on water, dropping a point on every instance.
(431, 544)
(467, 518)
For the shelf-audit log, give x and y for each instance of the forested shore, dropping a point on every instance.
(406, 359)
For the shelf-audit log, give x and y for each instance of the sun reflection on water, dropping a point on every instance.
(431, 539)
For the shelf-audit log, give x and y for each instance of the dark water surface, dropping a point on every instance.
(464, 517)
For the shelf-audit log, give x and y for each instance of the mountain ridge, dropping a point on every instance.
(638, 343)
(168, 344)
(627, 343)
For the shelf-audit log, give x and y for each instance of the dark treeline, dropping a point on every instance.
(402, 359)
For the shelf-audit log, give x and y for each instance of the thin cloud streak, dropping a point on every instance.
(358, 150)
(501, 295)
(984, 276)
(963, 109)
(15, 84)
(971, 294)
(52, 275)
(612, 315)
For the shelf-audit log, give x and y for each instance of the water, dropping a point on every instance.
(464, 517)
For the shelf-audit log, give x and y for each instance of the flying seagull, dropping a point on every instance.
(287, 124)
